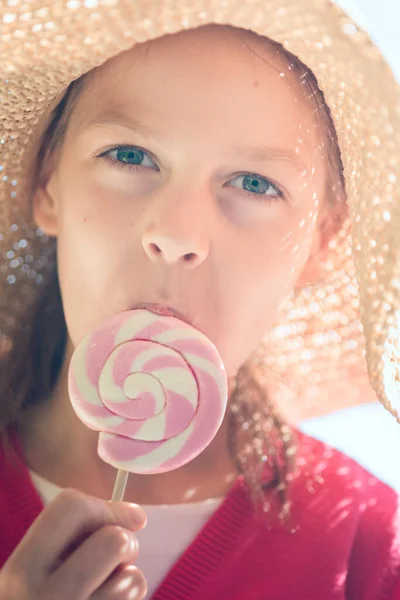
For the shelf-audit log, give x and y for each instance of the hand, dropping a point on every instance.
(79, 548)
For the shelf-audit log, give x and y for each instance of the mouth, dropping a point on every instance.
(160, 309)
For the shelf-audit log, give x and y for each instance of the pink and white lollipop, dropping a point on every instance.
(153, 386)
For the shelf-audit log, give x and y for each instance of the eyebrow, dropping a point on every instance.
(262, 154)
(253, 154)
(113, 117)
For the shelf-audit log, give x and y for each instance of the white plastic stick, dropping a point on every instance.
(120, 485)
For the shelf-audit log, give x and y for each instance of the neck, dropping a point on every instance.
(62, 449)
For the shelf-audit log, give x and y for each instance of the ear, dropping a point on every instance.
(44, 204)
(328, 226)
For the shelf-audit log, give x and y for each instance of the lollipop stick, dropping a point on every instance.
(120, 485)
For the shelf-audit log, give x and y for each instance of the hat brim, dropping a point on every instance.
(320, 334)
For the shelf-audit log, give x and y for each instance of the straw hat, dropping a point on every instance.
(319, 337)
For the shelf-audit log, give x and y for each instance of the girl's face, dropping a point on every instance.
(190, 175)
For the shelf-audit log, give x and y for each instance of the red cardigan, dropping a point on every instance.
(346, 543)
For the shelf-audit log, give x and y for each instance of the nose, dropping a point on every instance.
(172, 250)
(177, 229)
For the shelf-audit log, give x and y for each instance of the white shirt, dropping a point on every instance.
(169, 531)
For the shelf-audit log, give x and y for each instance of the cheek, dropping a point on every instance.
(263, 273)
(269, 277)
(276, 253)
(94, 254)
(85, 202)
(87, 232)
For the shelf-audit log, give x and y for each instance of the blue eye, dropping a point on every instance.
(256, 185)
(133, 156)
(129, 157)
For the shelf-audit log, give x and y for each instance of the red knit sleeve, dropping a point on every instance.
(374, 564)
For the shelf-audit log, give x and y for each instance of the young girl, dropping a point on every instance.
(152, 157)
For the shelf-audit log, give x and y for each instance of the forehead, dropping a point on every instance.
(214, 76)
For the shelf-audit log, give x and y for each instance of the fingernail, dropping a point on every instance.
(135, 593)
(134, 543)
(140, 515)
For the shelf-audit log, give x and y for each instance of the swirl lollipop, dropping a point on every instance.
(154, 387)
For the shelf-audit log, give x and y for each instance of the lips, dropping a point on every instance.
(161, 309)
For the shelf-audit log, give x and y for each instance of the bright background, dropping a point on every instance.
(381, 18)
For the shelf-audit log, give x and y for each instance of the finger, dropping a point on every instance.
(126, 584)
(92, 564)
(65, 523)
